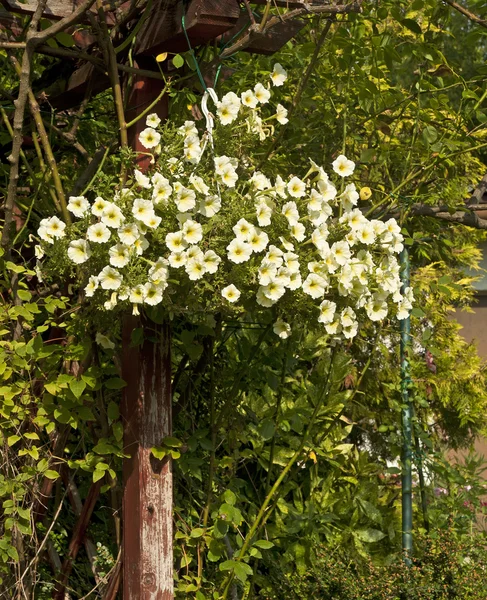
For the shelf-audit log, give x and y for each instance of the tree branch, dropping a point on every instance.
(461, 9)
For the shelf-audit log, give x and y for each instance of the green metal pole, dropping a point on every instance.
(407, 449)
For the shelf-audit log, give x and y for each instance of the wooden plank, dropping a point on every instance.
(204, 21)
(291, 3)
(55, 9)
(269, 41)
(148, 496)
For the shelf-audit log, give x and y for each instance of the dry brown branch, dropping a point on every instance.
(252, 31)
(20, 103)
(36, 114)
(462, 10)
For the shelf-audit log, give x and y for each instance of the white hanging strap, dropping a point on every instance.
(209, 93)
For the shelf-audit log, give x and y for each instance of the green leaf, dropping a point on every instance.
(230, 497)
(24, 295)
(197, 533)
(159, 452)
(264, 544)
(77, 386)
(65, 39)
(113, 411)
(50, 474)
(115, 384)
(97, 475)
(136, 337)
(178, 61)
(418, 312)
(242, 571)
(13, 439)
(411, 25)
(369, 535)
(13, 267)
(267, 429)
(172, 442)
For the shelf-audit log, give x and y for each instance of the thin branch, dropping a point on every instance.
(461, 9)
(20, 103)
(333, 9)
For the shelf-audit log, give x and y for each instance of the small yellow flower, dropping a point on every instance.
(365, 193)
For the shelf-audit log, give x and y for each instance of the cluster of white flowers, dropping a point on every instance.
(297, 235)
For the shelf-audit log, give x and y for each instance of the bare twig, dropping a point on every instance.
(461, 9)
(20, 103)
(301, 86)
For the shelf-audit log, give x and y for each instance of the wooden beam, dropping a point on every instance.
(148, 495)
(55, 9)
(204, 21)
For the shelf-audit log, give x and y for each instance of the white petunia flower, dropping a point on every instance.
(128, 233)
(98, 206)
(43, 234)
(210, 206)
(296, 187)
(104, 341)
(162, 192)
(119, 255)
(142, 180)
(348, 317)
(141, 244)
(149, 138)
(112, 216)
(281, 114)
(188, 129)
(199, 185)
(175, 241)
(227, 113)
(231, 293)
(220, 163)
(98, 232)
(152, 221)
(273, 291)
(79, 251)
(211, 261)
(341, 252)
(327, 311)
(298, 232)
(153, 120)
(229, 176)
(54, 227)
(195, 268)
(78, 205)
(274, 255)
(260, 181)
(342, 166)
(350, 197)
(192, 232)
(262, 299)
(243, 230)
(258, 240)
(264, 213)
(152, 294)
(376, 308)
(290, 211)
(137, 294)
(239, 251)
(142, 209)
(91, 286)
(177, 259)
(185, 200)
(248, 99)
(261, 93)
(109, 278)
(278, 75)
(365, 234)
(315, 286)
(38, 252)
(282, 329)
(280, 187)
(267, 272)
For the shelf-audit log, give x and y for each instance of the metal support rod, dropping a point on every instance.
(407, 450)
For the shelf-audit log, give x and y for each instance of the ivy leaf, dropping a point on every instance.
(50, 474)
(115, 383)
(97, 475)
(264, 544)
